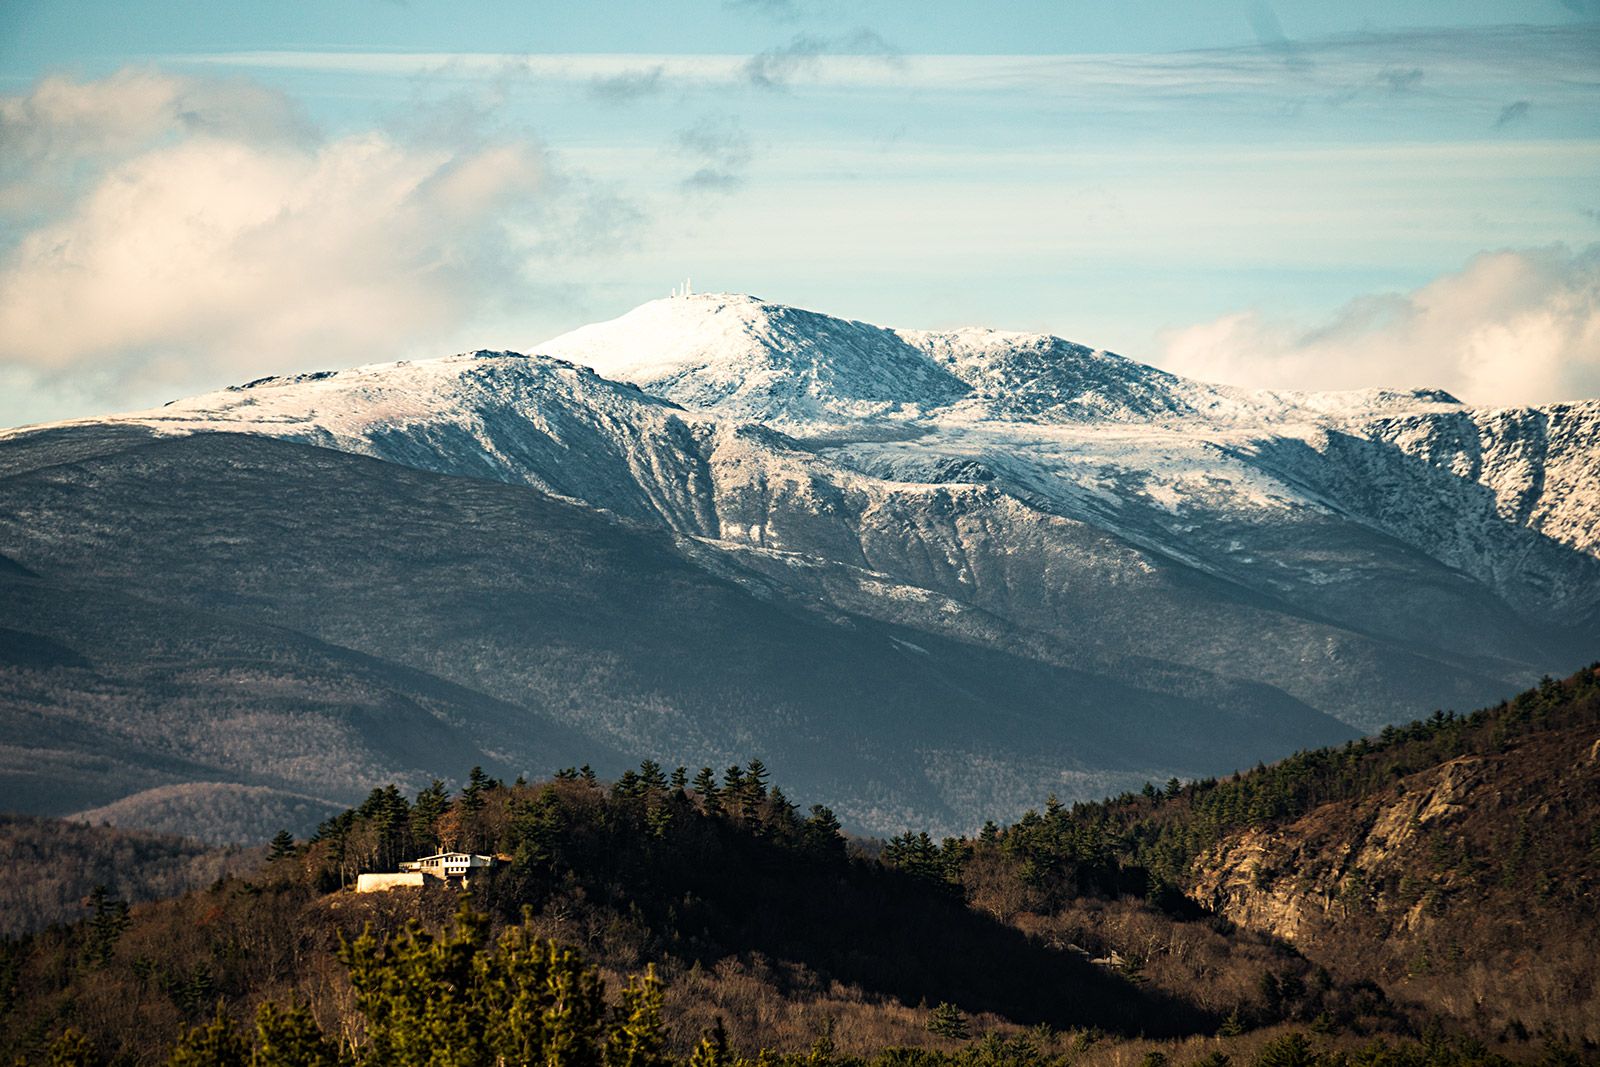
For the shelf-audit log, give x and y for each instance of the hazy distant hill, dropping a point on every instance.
(66, 860)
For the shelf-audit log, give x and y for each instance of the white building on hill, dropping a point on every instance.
(442, 866)
(449, 864)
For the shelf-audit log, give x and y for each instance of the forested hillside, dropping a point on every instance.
(61, 863)
(1093, 935)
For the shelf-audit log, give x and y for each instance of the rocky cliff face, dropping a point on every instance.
(1468, 884)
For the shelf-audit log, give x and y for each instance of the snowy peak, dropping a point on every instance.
(1032, 376)
(754, 360)
(456, 390)
(800, 370)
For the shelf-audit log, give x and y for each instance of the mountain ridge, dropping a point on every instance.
(1009, 495)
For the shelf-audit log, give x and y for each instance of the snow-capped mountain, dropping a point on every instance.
(1362, 557)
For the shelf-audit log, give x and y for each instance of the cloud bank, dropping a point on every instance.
(169, 230)
(1517, 326)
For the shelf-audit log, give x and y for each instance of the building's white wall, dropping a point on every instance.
(378, 882)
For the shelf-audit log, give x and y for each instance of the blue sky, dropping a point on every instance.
(1288, 195)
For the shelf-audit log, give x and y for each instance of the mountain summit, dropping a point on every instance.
(753, 360)
(932, 575)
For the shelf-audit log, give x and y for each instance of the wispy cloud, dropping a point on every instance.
(1511, 113)
(1512, 326)
(1269, 33)
(1402, 81)
(1459, 66)
(722, 152)
(629, 85)
(776, 67)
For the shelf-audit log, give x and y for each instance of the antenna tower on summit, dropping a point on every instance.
(686, 289)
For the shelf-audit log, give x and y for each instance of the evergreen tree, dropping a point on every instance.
(705, 787)
(713, 1050)
(213, 1044)
(733, 790)
(72, 1049)
(431, 805)
(415, 993)
(947, 1021)
(539, 1003)
(650, 776)
(282, 846)
(756, 775)
(290, 1037)
(680, 779)
(637, 1037)
(108, 918)
(478, 783)
(821, 831)
(453, 1000)
(1290, 1050)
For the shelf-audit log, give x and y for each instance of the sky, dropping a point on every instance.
(1270, 194)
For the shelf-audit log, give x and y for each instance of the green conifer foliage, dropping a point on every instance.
(72, 1049)
(108, 918)
(713, 1050)
(282, 846)
(290, 1037)
(637, 1038)
(455, 1000)
(1290, 1050)
(212, 1044)
(416, 994)
(947, 1021)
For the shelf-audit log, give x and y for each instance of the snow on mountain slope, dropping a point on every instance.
(500, 415)
(1091, 435)
(764, 362)
(1366, 553)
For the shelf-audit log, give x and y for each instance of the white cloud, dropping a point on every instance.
(1516, 326)
(171, 231)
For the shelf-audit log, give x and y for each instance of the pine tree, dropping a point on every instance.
(637, 1037)
(650, 776)
(290, 1037)
(705, 787)
(539, 1003)
(733, 790)
(478, 783)
(416, 994)
(431, 805)
(680, 779)
(821, 831)
(1290, 1050)
(72, 1049)
(712, 1051)
(107, 919)
(213, 1044)
(756, 775)
(947, 1021)
(282, 846)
